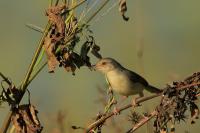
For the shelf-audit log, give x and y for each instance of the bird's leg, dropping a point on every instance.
(116, 110)
(134, 101)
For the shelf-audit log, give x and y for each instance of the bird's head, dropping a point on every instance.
(106, 65)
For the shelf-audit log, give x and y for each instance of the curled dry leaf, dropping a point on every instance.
(25, 119)
(61, 40)
(89, 45)
(49, 47)
(67, 61)
(95, 51)
(123, 9)
(54, 15)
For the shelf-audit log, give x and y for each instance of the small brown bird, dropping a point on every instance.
(122, 80)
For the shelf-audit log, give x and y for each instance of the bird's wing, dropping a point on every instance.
(136, 77)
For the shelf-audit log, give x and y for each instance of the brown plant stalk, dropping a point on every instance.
(146, 119)
(138, 101)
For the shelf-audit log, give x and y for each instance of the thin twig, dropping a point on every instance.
(104, 118)
(35, 27)
(37, 72)
(142, 122)
(5, 79)
(140, 100)
(35, 57)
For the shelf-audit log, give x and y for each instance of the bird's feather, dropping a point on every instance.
(135, 77)
(153, 89)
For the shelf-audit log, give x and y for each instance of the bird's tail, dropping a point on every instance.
(153, 89)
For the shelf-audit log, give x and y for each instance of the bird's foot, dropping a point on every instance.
(134, 102)
(116, 111)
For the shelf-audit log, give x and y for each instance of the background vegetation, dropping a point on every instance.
(166, 32)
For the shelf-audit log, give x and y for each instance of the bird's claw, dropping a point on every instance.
(116, 111)
(134, 102)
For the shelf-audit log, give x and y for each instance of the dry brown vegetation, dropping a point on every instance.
(60, 37)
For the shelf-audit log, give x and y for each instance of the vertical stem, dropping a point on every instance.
(37, 72)
(7, 120)
(35, 57)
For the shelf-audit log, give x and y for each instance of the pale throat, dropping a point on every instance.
(118, 80)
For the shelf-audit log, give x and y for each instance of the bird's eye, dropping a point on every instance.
(103, 63)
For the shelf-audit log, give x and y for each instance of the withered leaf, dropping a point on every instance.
(49, 47)
(85, 49)
(25, 119)
(34, 112)
(11, 95)
(95, 51)
(54, 15)
(123, 9)
(78, 61)
(70, 67)
(67, 63)
(18, 126)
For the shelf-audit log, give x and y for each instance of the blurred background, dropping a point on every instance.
(161, 41)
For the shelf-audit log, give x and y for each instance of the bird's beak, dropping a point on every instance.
(94, 67)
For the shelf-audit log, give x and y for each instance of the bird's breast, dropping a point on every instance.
(121, 83)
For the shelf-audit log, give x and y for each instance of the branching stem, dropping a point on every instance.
(140, 100)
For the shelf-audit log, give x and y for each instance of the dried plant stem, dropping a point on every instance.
(35, 27)
(35, 57)
(37, 72)
(104, 118)
(140, 100)
(26, 79)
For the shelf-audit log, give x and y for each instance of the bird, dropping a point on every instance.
(122, 80)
